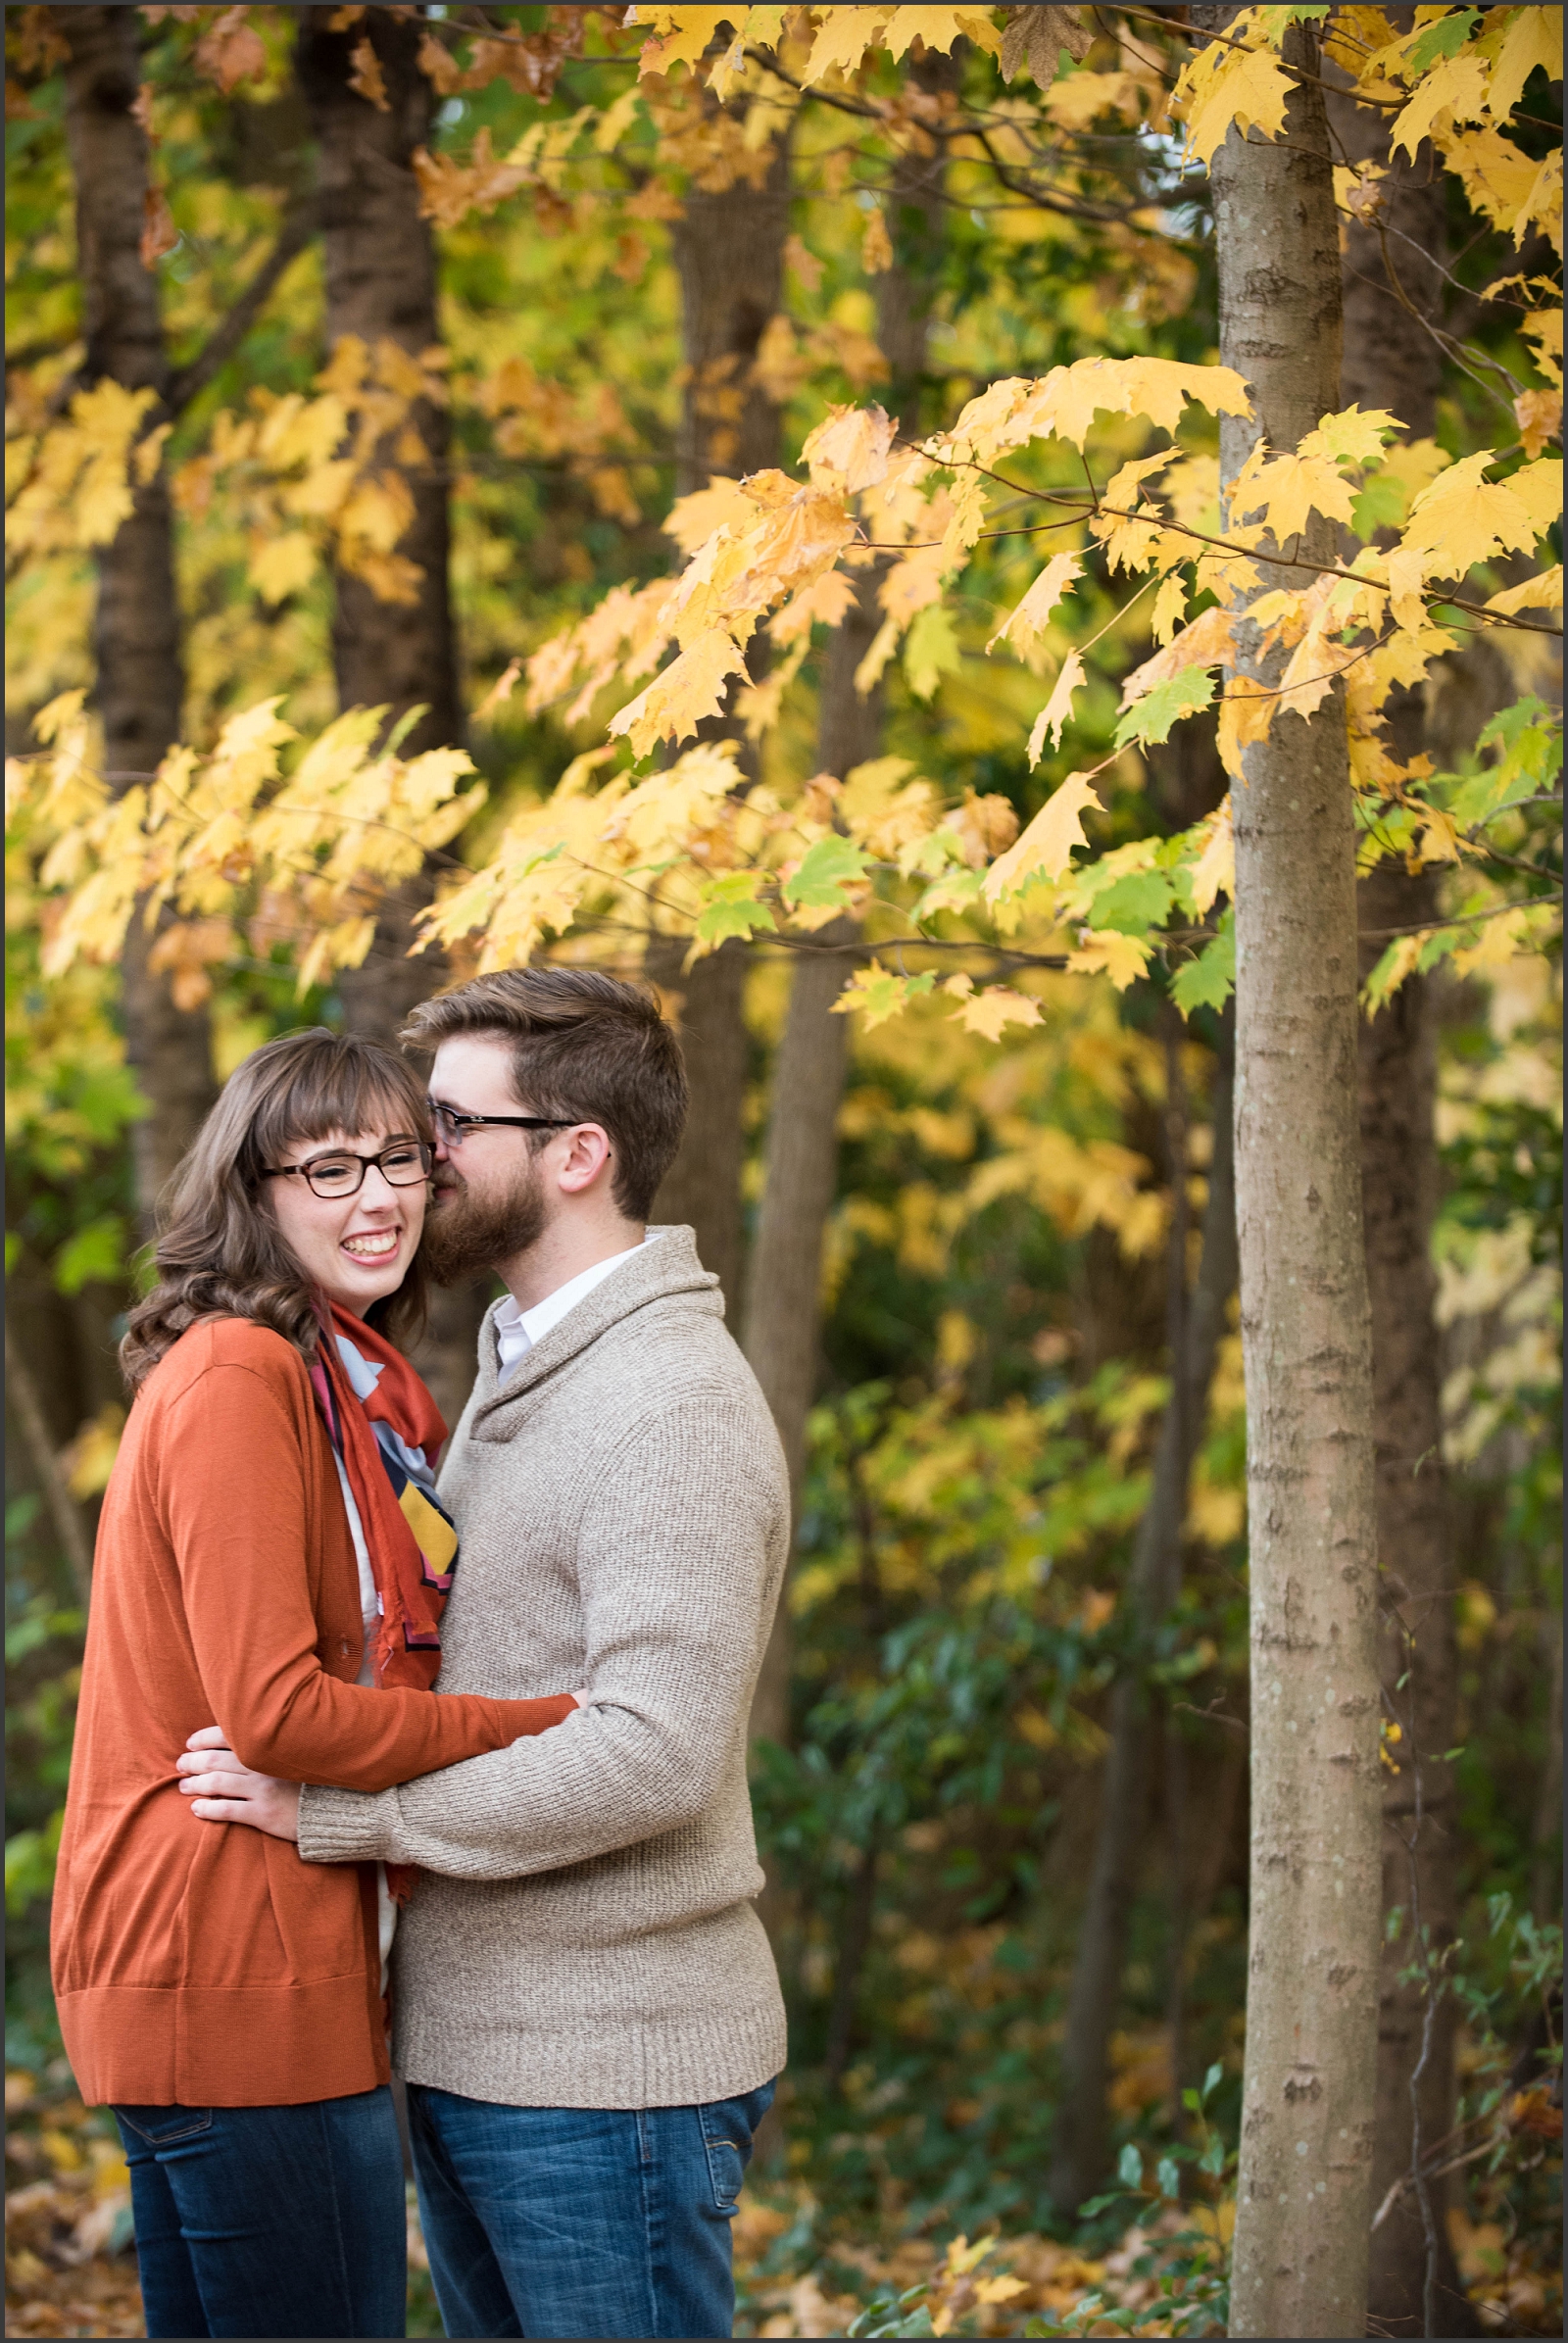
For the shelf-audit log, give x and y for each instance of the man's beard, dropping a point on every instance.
(467, 1234)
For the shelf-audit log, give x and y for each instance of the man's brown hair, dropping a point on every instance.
(585, 1047)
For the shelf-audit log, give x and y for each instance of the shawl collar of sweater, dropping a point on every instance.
(661, 1271)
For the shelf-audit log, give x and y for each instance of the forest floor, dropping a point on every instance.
(70, 2266)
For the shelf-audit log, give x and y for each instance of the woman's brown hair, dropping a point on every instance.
(220, 1254)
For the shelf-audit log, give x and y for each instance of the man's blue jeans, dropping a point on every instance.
(569, 2221)
(269, 2221)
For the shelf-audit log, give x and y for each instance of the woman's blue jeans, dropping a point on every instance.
(269, 2221)
(571, 2221)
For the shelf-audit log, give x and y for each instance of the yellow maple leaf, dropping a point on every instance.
(1282, 490)
(938, 28)
(1539, 418)
(681, 35)
(1221, 85)
(1543, 203)
(282, 566)
(998, 1007)
(848, 450)
(1534, 38)
(1461, 518)
(1106, 951)
(1052, 718)
(1355, 435)
(1170, 608)
(1214, 872)
(1456, 87)
(1246, 714)
(691, 687)
(1045, 848)
(1543, 593)
(1497, 178)
(1206, 643)
(1025, 625)
(694, 518)
(843, 36)
(1078, 99)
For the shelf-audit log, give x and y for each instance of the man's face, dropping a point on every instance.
(490, 1199)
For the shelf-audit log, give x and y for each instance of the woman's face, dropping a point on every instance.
(355, 1248)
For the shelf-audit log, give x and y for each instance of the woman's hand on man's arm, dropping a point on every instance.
(221, 1789)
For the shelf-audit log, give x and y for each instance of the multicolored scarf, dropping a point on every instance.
(388, 1432)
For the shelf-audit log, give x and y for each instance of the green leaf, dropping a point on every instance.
(96, 1252)
(1167, 2177)
(1445, 38)
(1212, 2080)
(824, 872)
(930, 651)
(1151, 717)
(1382, 503)
(1208, 981)
(1130, 2167)
(1136, 903)
(730, 908)
(1213, 2160)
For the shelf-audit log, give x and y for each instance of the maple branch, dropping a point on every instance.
(188, 381)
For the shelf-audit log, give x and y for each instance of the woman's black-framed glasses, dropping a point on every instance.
(453, 1126)
(403, 1165)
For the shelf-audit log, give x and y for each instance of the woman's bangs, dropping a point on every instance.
(342, 1089)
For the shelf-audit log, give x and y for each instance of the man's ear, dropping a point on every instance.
(586, 1161)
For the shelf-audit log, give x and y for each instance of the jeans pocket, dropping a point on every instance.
(163, 2126)
(729, 2128)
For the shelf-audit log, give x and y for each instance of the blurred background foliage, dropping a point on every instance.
(994, 1358)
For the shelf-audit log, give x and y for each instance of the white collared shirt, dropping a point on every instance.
(517, 1331)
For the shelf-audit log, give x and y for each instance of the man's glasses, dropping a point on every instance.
(403, 1165)
(453, 1127)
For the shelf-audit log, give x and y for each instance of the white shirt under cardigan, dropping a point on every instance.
(517, 1331)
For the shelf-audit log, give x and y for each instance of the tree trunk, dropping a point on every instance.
(1390, 360)
(783, 1306)
(380, 271)
(729, 251)
(1196, 1324)
(136, 636)
(1304, 2194)
(381, 285)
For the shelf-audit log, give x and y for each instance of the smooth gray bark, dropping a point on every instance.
(1304, 2210)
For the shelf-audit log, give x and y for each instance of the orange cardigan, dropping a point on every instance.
(198, 1963)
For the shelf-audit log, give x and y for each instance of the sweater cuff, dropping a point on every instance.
(346, 1826)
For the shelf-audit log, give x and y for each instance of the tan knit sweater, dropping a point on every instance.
(584, 1935)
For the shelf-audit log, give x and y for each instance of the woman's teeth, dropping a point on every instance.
(372, 1248)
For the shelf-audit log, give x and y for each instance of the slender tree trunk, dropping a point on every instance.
(1304, 2195)
(783, 1311)
(381, 285)
(1197, 1322)
(380, 271)
(1393, 281)
(136, 636)
(729, 251)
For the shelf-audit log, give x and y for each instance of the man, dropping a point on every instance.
(587, 2014)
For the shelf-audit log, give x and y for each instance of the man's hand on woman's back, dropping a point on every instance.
(221, 1789)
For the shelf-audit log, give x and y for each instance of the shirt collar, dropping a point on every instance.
(519, 1330)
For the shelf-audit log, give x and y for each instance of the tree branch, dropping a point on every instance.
(186, 384)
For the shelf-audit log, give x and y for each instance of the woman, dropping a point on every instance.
(273, 1558)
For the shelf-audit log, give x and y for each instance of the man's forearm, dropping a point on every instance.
(603, 1779)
